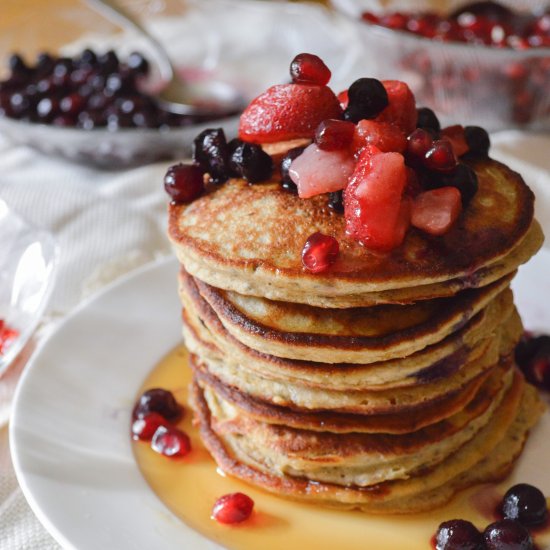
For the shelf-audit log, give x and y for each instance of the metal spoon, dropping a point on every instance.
(212, 98)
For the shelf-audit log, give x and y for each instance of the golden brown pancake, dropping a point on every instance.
(205, 335)
(502, 437)
(234, 237)
(476, 395)
(355, 335)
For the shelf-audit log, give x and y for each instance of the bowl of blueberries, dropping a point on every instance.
(483, 62)
(92, 108)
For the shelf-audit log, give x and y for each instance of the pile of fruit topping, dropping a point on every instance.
(153, 420)
(384, 163)
(522, 507)
(7, 336)
(488, 23)
(533, 358)
(87, 91)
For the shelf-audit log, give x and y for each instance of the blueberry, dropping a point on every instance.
(336, 201)
(18, 67)
(138, 64)
(210, 151)
(286, 182)
(427, 120)
(458, 534)
(533, 358)
(250, 162)
(526, 504)
(478, 141)
(159, 401)
(87, 58)
(367, 98)
(464, 179)
(507, 534)
(108, 62)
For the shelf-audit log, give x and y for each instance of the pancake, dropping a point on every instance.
(476, 395)
(502, 438)
(205, 335)
(360, 401)
(355, 335)
(360, 459)
(233, 238)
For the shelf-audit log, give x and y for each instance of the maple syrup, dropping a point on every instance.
(190, 486)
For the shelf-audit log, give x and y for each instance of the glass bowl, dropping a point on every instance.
(497, 88)
(28, 260)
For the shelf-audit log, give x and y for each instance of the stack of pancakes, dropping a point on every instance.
(386, 383)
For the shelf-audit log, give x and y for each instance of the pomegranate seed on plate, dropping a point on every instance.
(232, 508)
(171, 442)
(307, 68)
(320, 252)
(144, 427)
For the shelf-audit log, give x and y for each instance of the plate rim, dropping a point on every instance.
(15, 445)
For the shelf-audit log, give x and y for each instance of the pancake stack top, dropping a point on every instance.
(380, 375)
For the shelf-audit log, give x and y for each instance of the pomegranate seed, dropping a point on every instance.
(171, 442)
(159, 401)
(455, 134)
(419, 143)
(307, 68)
(232, 508)
(144, 427)
(320, 252)
(184, 182)
(7, 336)
(333, 135)
(441, 156)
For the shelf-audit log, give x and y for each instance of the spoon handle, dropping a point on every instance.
(118, 14)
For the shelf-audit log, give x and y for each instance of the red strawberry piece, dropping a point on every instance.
(386, 137)
(316, 171)
(375, 213)
(288, 111)
(436, 211)
(455, 134)
(307, 68)
(401, 110)
(343, 99)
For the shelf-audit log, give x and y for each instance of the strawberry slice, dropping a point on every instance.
(375, 212)
(436, 211)
(401, 110)
(386, 137)
(455, 134)
(343, 99)
(316, 171)
(288, 111)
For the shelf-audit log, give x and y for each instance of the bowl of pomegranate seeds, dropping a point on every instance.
(485, 63)
(92, 108)
(28, 259)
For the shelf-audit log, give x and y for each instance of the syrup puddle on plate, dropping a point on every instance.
(190, 486)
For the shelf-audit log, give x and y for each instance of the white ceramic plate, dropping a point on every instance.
(69, 432)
